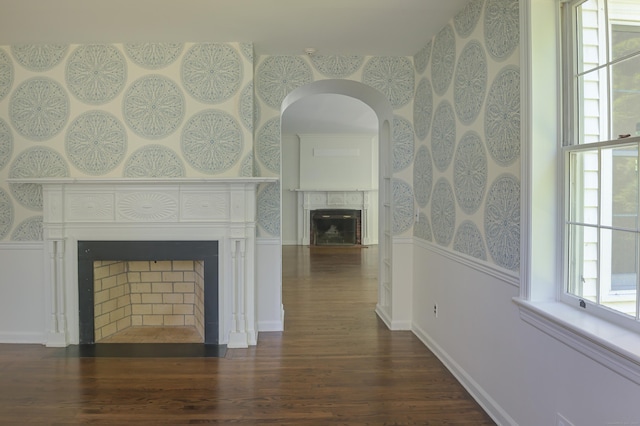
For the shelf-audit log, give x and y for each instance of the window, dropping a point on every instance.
(601, 132)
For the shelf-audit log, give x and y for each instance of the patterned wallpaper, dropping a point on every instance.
(170, 110)
(110, 110)
(466, 173)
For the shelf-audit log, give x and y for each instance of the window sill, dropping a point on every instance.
(608, 344)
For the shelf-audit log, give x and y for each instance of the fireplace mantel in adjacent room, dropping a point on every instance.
(365, 200)
(123, 209)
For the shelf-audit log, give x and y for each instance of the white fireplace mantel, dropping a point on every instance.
(220, 209)
(365, 200)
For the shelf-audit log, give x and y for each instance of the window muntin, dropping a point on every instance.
(602, 116)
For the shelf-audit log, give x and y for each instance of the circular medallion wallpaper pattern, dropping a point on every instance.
(29, 229)
(502, 221)
(421, 59)
(153, 106)
(248, 110)
(269, 208)
(277, 76)
(468, 240)
(422, 176)
(502, 117)
(443, 58)
(467, 19)
(443, 212)
(39, 108)
(96, 73)
(6, 213)
(470, 84)
(36, 162)
(403, 207)
(470, 172)
(403, 143)
(39, 57)
(247, 166)
(268, 145)
(6, 143)
(154, 161)
(211, 72)
(6, 74)
(153, 56)
(443, 135)
(212, 141)
(247, 51)
(96, 142)
(423, 108)
(501, 28)
(393, 76)
(421, 228)
(336, 66)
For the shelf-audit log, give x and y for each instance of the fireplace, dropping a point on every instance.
(221, 211)
(359, 205)
(335, 227)
(125, 284)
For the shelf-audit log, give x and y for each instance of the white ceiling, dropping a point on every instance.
(357, 27)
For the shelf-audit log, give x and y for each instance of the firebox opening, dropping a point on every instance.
(340, 227)
(156, 292)
(149, 301)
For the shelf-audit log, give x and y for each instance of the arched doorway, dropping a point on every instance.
(383, 112)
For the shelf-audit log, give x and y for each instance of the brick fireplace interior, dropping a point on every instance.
(148, 291)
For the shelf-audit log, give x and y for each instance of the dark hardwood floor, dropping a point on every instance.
(335, 364)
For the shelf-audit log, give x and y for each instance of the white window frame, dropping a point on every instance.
(573, 131)
(541, 274)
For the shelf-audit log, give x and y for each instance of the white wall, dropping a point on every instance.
(290, 181)
(341, 162)
(521, 375)
(22, 293)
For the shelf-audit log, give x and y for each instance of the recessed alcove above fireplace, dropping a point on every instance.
(221, 210)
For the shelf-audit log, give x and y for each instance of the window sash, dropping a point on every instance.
(577, 138)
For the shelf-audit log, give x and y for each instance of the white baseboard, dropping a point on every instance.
(493, 409)
(384, 316)
(389, 322)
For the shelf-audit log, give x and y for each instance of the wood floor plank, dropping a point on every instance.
(335, 364)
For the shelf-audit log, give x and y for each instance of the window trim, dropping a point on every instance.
(572, 142)
(541, 279)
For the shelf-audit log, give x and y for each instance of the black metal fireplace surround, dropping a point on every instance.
(335, 227)
(90, 251)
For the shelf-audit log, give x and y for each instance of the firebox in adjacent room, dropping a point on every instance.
(335, 227)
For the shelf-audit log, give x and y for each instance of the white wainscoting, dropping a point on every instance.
(22, 292)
